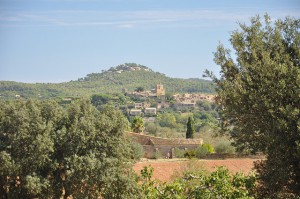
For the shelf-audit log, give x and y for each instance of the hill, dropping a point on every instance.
(127, 76)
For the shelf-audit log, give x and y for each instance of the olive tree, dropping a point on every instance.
(50, 152)
(259, 97)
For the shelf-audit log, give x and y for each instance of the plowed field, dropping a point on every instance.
(165, 170)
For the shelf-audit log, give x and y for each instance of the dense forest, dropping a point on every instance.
(127, 76)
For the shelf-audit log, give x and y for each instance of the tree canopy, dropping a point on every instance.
(137, 125)
(259, 98)
(47, 151)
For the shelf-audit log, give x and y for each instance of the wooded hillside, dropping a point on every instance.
(125, 76)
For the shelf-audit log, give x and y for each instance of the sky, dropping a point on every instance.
(62, 40)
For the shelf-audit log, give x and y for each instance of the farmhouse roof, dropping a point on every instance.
(175, 141)
(151, 140)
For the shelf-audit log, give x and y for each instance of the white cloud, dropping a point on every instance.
(132, 19)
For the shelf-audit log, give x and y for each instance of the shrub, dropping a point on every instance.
(204, 149)
(225, 147)
(179, 153)
(157, 155)
(201, 152)
(137, 151)
(198, 183)
(190, 154)
(222, 184)
(151, 128)
(208, 147)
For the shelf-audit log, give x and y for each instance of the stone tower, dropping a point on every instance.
(160, 91)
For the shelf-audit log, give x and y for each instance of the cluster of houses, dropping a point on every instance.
(151, 111)
(144, 107)
(182, 101)
(188, 100)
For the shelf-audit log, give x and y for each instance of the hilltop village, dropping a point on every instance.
(154, 100)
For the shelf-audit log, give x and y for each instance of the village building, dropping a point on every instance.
(135, 112)
(194, 97)
(185, 105)
(166, 146)
(141, 105)
(150, 111)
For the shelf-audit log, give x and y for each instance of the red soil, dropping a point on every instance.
(165, 169)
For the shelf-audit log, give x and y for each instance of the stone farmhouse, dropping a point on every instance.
(166, 146)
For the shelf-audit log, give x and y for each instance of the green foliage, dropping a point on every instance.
(225, 147)
(139, 89)
(208, 147)
(152, 189)
(173, 124)
(100, 99)
(46, 149)
(147, 173)
(200, 152)
(189, 154)
(212, 135)
(203, 150)
(166, 132)
(167, 120)
(218, 184)
(205, 105)
(137, 150)
(137, 125)
(158, 155)
(179, 153)
(148, 185)
(151, 128)
(190, 128)
(259, 96)
(201, 123)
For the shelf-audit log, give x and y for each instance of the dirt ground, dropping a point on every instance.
(166, 170)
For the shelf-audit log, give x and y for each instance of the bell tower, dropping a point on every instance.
(160, 91)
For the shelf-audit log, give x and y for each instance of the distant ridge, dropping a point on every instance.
(126, 76)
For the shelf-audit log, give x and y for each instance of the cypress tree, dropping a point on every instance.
(190, 128)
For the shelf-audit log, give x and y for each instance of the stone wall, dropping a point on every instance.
(149, 151)
(165, 149)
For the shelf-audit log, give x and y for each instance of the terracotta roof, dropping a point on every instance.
(151, 140)
(175, 141)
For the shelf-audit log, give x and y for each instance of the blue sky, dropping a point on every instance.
(63, 40)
